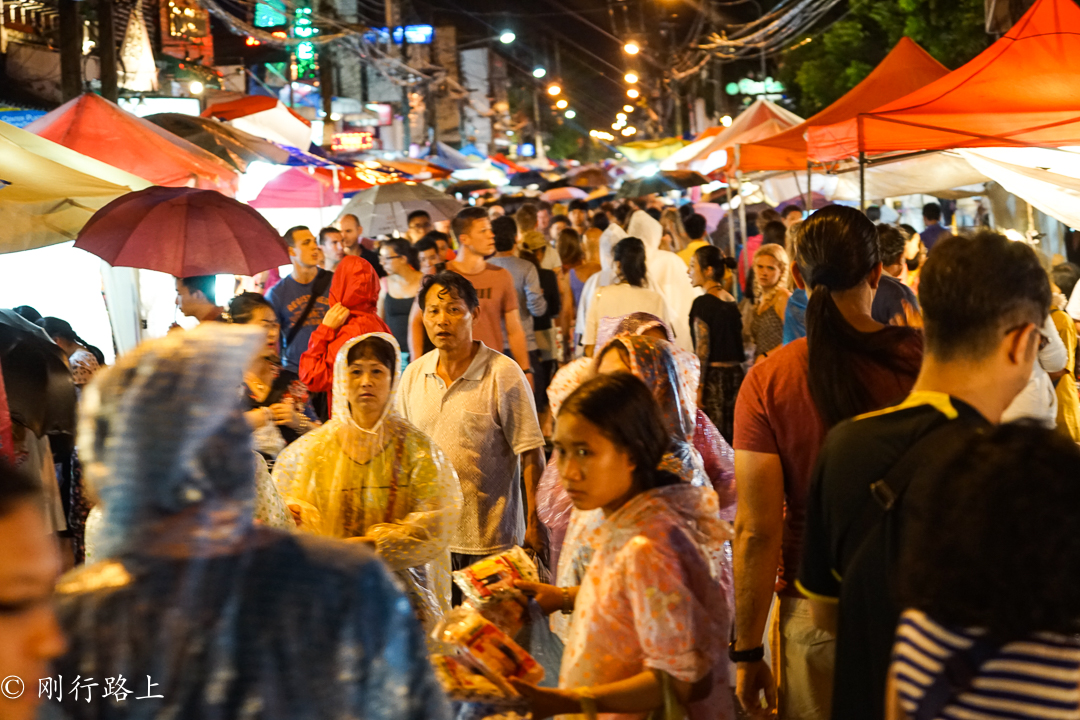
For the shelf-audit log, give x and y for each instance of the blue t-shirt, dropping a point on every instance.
(289, 299)
(795, 316)
(889, 300)
(932, 234)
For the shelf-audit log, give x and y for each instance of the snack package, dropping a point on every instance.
(464, 683)
(493, 576)
(488, 647)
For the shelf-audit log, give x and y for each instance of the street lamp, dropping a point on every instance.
(631, 48)
(630, 78)
(628, 108)
(633, 94)
(196, 87)
(620, 116)
(507, 37)
(561, 104)
(554, 90)
(539, 71)
(570, 114)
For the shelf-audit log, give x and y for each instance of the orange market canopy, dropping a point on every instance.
(1023, 90)
(95, 127)
(905, 69)
(761, 120)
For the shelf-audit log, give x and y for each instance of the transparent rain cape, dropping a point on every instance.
(194, 603)
(391, 484)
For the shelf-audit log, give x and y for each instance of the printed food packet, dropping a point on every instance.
(488, 647)
(465, 683)
(488, 586)
(494, 576)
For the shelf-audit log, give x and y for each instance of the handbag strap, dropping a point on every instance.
(318, 287)
(957, 676)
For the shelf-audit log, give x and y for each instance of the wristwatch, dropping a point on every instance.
(745, 656)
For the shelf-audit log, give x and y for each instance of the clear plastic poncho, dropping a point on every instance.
(391, 484)
(193, 605)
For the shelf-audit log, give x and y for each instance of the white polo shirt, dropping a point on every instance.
(483, 422)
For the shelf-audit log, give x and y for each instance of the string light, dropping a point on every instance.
(633, 93)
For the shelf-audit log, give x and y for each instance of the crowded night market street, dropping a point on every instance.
(489, 360)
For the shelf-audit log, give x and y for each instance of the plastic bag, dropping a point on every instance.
(540, 642)
(488, 648)
(553, 507)
(719, 461)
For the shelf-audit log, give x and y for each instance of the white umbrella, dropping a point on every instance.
(386, 208)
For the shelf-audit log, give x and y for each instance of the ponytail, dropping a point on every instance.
(98, 355)
(836, 250)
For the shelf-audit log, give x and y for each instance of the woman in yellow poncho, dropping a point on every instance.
(369, 476)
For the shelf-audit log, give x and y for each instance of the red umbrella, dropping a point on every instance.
(183, 232)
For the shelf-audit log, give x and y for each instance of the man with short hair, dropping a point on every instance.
(196, 296)
(352, 234)
(934, 231)
(578, 212)
(297, 312)
(530, 296)
(29, 566)
(694, 225)
(543, 216)
(894, 302)
(790, 214)
(427, 254)
(527, 218)
(332, 244)
(876, 471)
(475, 404)
(558, 224)
(419, 225)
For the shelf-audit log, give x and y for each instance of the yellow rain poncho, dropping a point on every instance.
(390, 484)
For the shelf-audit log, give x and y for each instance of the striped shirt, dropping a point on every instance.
(1034, 678)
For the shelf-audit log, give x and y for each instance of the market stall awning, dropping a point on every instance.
(641, 151)
(93, 126)
(48, 192)
(1022, 90)
(761, 120)
(905, 69)
(264, 117)
(298, 188)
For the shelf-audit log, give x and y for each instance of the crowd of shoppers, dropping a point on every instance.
(827, 477)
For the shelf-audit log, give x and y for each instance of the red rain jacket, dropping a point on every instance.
(356, 286)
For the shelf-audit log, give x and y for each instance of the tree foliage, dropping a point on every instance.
(822, 70)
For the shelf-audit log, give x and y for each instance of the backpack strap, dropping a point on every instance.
(318, 287)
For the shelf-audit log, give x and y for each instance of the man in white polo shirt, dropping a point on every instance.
(476, 404)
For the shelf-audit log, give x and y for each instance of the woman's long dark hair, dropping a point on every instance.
(623, 409)
(836, 250)
(57, 328)
(630, 254)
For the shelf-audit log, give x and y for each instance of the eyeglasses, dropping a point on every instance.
(1043, 339)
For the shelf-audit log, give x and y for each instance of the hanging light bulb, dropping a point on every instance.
(630, 78)
(633, 93)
